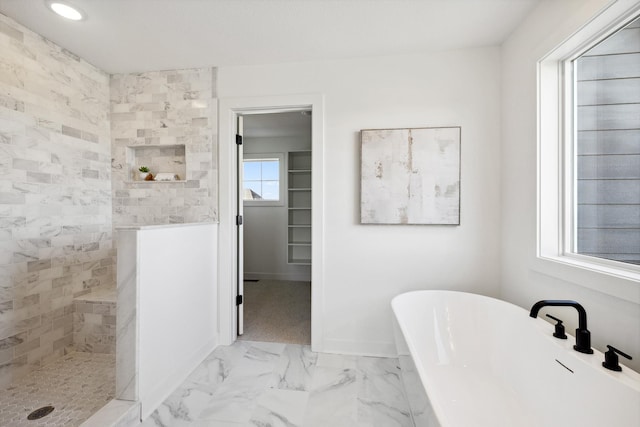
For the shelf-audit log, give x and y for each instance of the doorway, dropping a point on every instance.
(276, 237)
(229, 285)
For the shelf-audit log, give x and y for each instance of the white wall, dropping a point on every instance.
(365, 266)
(611, 320)
(265, 227)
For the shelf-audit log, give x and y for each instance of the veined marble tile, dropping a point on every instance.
(126, 326)
(50, 91)
(253, 384)
(258, 362)
(235, 401)
(333, 398)
(381, 399)
(148, 110)
(280, 408)
(184, 406)
(155, 421)
(224, 388)
(295, 367)
(216, 367)
(379, 376)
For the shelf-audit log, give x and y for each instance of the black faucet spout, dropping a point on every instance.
(583, 336)
(582, 314)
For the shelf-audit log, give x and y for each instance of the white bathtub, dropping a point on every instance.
(485, 362)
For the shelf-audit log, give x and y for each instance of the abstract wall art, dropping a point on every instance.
(410, 176)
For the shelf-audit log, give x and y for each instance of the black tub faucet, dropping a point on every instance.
(583, 336)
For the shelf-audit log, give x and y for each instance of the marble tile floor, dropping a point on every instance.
(273, 384)
(77, 385)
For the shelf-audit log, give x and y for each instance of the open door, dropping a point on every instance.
(230, 269)
(239, 228)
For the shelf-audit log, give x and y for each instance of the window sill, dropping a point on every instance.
(619, 283)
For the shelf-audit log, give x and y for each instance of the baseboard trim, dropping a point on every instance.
(360, 348)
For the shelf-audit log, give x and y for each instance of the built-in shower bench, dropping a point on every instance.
(94, 321)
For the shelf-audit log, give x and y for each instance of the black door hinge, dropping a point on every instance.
(238, 139)
(238, 299)
(238, 219)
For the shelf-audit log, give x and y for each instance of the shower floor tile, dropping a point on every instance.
(76, 385)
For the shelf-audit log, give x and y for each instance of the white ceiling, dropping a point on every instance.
(121, 36)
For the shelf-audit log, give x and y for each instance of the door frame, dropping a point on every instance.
(228, 110)
(239, 270)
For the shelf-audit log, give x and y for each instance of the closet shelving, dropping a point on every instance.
(299, 207)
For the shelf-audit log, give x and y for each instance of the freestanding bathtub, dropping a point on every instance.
(470, 360)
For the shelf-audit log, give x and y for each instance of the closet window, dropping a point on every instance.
(262, 179)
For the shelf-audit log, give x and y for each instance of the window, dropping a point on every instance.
(606, 192)
(589, 155)
(262, 179)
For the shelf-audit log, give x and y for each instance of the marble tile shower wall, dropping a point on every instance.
(172, 108)
(55, 195)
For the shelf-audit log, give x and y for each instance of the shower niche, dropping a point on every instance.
(167, 161)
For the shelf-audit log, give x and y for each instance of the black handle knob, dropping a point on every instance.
(611, 358)
(559, 332)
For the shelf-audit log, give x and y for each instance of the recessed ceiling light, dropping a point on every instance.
(66, 10)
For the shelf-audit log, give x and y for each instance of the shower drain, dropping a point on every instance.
(40, 413)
